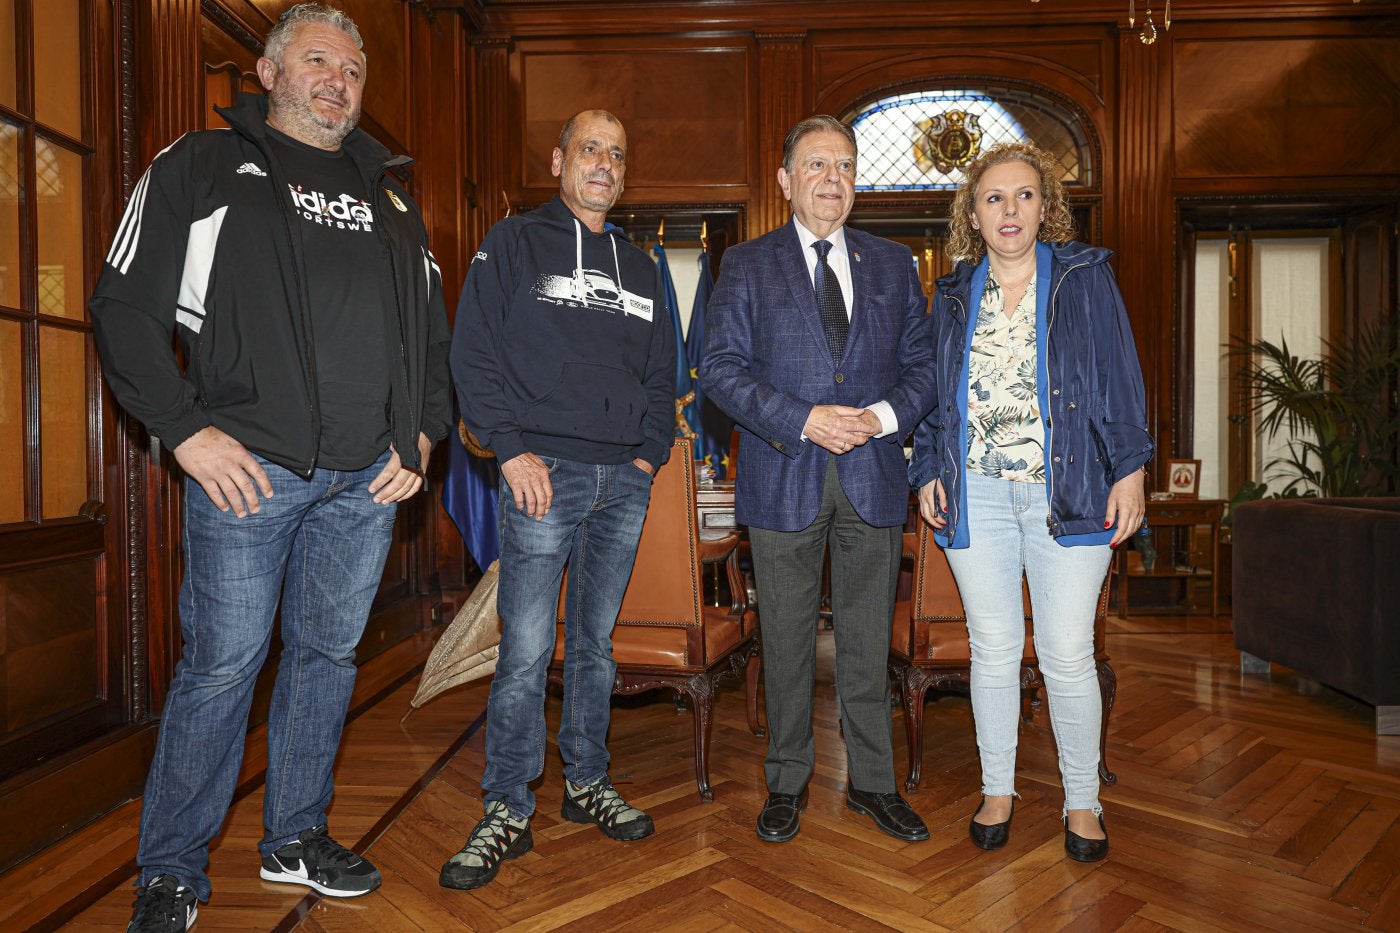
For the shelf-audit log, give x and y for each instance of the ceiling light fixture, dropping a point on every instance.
(1148, 35)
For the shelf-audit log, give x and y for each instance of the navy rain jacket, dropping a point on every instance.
(1089, 386)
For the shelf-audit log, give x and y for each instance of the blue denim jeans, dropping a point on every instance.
(320, 545)
(1006, 524)
(593, 524)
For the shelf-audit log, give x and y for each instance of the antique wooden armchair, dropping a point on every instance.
(666, 637)
(929, 648)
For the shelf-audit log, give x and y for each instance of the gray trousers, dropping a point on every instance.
(864, 571)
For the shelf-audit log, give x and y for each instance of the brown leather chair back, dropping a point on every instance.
(665, 585)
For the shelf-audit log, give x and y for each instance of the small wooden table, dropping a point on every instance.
(1178, 513)
(714, 507)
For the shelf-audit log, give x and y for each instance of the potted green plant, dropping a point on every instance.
(1341, 409)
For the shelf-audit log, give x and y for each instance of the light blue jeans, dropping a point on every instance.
(317, 546)
(1008, 534)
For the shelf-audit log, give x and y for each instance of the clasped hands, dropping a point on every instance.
(840, 428)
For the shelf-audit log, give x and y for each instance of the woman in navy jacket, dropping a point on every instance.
(1031, 461)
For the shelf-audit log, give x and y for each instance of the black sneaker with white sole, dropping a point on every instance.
(163, 906)
(319, 862)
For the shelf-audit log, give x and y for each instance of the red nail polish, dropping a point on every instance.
(1114, 545)
(1108, 524)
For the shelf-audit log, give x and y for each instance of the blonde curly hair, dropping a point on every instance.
(966, 244)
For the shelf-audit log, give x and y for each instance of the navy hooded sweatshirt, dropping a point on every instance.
(562, 345)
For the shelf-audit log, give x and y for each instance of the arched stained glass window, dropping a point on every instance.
(920, 140)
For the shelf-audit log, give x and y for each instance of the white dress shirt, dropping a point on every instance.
(840, 261)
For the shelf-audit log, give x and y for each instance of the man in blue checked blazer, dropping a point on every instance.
(818, 344)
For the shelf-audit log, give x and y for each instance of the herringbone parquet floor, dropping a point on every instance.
(1243, 803)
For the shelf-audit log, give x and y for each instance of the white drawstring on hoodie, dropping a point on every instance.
(579, 284)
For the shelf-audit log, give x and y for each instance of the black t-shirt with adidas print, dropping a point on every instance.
(352, 301)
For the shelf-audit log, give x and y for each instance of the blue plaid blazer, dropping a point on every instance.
(766, 363)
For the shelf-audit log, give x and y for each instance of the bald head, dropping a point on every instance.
(567, 132)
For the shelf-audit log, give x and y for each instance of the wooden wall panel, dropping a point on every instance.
(495, 175)
(685, 109)
(782, 101)
(384, 28)
(229, 67)
(49, 644)
(1145, 243)
(1286, 107)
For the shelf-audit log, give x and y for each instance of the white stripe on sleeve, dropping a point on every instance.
(129, 230)
(199, 259)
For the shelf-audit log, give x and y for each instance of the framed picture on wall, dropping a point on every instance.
(1184, 478)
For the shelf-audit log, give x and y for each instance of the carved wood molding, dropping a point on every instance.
(422, 6)
(232, 25)
(133, 455)
(557, 17)
(126, 93)
(471, 11)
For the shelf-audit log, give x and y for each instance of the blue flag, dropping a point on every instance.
(469, 495)
(687, 411)
(714, 425)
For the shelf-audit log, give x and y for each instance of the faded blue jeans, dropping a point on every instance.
(593, 524)
(320, 546)
(1006, 525)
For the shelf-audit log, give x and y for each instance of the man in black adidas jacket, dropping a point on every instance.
(296, 274)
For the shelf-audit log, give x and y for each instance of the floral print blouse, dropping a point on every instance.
(1005, 434)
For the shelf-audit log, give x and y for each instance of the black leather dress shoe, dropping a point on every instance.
(1085, 850)
(890, 812)
(778, 820)
(990, 836)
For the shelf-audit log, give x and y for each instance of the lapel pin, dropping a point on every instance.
(856, 253)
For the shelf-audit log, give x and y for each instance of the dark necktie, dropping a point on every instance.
(832, 305)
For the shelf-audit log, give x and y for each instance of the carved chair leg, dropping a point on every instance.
(1108, 691)
(753, 669)
(913, 686)
(1031, 683)
(701, 692)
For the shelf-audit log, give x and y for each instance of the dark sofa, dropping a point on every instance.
(1316, 587)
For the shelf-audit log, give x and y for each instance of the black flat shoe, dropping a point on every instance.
(891, 813)
(778, 820)
(990, 836)
(1085, 850)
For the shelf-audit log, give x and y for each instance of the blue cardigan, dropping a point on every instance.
(1088, 382)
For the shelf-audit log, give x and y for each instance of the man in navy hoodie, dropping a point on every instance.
(564, 361)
